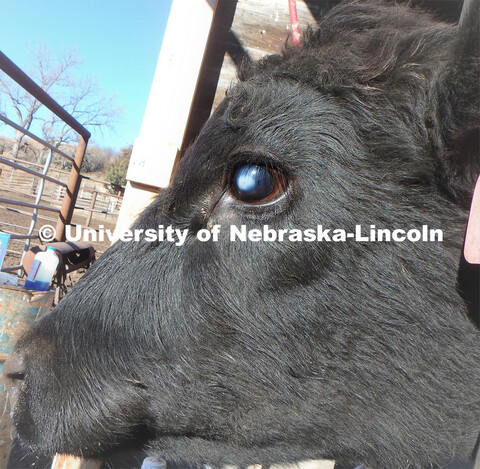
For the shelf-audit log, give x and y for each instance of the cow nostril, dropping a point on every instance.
(13, 374)
(14, 367)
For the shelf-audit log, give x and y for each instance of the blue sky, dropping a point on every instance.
(117, 40)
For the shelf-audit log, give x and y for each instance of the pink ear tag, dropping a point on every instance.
(472, 238)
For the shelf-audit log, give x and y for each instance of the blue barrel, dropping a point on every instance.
(18, 309)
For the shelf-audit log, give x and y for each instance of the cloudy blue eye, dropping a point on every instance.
(252, 183)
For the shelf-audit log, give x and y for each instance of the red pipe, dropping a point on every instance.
(292, 8)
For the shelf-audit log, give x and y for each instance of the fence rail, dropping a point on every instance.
(17, 74)
(34, 137)
(68, 204)
(31, 171)
(98, 206)
(71, 187)
(29, 189)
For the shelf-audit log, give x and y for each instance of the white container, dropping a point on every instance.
(42, 270)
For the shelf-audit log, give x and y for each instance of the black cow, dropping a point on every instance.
(268, 352)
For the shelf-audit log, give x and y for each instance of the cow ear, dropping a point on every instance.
(458, 107)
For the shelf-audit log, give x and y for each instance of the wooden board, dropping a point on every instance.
(251, 29)
(64, 461)
(263, 27)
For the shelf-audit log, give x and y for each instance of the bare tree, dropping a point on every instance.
(82, 99)
(47, 73)
(86, 103)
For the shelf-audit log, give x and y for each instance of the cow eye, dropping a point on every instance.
(256, 184)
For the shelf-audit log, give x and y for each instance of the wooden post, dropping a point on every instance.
(168, 107)
(91, 208)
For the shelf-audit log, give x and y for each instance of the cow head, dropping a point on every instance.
(264, 352)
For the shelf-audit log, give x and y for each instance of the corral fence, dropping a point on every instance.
(43, 193)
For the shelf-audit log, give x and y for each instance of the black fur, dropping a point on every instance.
(277, 352)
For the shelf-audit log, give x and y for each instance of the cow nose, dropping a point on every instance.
(13, 374)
